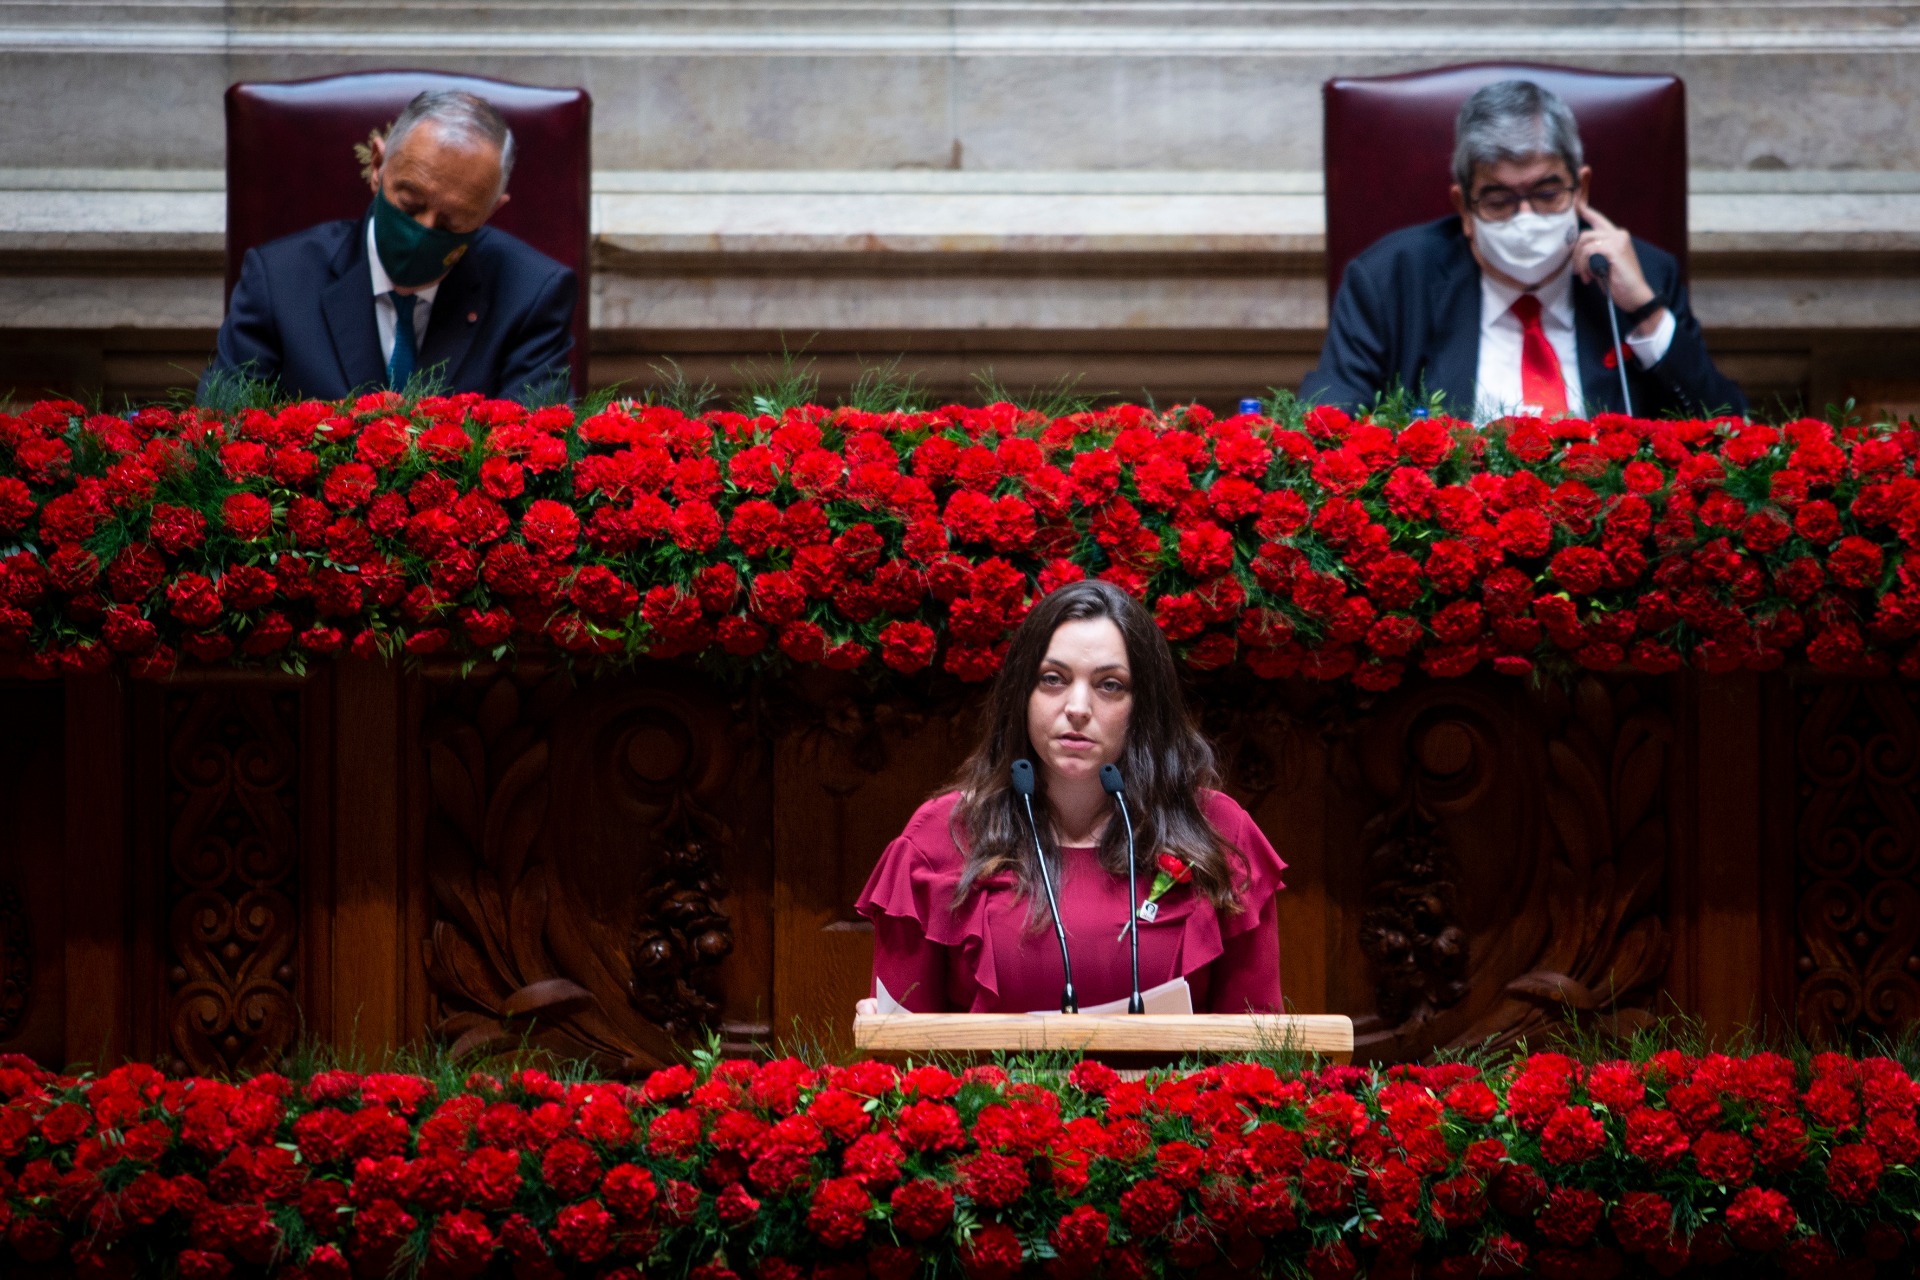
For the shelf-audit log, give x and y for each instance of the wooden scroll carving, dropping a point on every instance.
(232, 877)
(1856, 852)
(16, 961)
(1512, 878)
(572, 847)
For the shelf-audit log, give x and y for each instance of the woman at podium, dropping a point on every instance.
(964, 919)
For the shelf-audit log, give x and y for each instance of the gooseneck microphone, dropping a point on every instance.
(1023, 786)
(1110, 779)
(1600, 268)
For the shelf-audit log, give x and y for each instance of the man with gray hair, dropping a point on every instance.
(418, 290)
(1499, 307)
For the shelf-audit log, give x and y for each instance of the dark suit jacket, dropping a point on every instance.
(1409, 311)
(303, 313)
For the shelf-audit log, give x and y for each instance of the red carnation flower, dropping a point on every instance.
(907, 647)
(1460, 1201)
(1148, 1206)
(1655, 1137)
(1206, 550)
(1080, 1237)
(551, 527)
(1518, 1190)
(570, 1168)
(1759, 1219)
(193, 599)
(1526, 534)
(734, 1207)
(461, 1245)
(1570, 1216)
(1855, 563)
(922, 1208)
(1572, 1136)
(837, 1212)
(992, 1179)
(1642, 1221)
(1853, 1172)
(992, 1253)
(1725, 1158)
(584, 1232)
(247, 515)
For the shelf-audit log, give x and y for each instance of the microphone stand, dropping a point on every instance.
(1023, 784)
(1110, 779)
(1601, 268)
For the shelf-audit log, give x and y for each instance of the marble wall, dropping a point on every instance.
(812, 84)
(1126, 187)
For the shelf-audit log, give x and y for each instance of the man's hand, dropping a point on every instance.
(1626, 281)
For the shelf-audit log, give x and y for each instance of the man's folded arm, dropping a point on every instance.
(249, 341)
(538, 363)
(1353, 360)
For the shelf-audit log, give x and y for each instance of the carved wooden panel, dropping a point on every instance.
(1856, 850)
(231, 804)
(584, 845)
(848, 774)
(31, 800)
(1514, 868)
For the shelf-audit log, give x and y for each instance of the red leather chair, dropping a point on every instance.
(291, 163)
(1389, 150)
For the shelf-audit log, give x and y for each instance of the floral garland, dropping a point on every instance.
(1316, 546)
(1542, 1166)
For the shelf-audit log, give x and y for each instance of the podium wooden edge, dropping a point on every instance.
(1328, 1034)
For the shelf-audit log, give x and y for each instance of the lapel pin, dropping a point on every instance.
(472, 317)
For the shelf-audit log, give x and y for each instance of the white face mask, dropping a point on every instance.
(1528, 247)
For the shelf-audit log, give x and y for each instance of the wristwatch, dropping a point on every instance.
(1631, 320)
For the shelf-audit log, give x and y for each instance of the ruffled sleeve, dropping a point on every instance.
(1244, 946)
(930, 957)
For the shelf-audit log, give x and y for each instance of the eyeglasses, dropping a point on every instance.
(1497, 204)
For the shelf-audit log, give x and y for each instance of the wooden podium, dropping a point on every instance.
(1329, 1035)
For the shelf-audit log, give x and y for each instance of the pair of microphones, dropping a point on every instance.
(1023, 786)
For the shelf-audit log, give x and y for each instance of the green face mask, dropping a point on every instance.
(413, 254)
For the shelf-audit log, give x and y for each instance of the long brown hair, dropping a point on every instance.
(1165, 762)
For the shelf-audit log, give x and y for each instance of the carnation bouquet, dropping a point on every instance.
(1541, 1164)
(1298, 543)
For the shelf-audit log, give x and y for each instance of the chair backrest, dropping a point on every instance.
(1389, 150)
(291, 163)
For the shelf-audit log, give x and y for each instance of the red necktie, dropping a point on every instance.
(1540, 380)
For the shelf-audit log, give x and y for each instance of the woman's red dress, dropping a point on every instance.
(983, 957)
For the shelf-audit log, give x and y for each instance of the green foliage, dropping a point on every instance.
(676, 390)
(1058, 399)
(778, 385)
(882, 388)
(232, 390)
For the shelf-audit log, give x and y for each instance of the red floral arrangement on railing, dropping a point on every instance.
(1543, 1167)
(1318, 546)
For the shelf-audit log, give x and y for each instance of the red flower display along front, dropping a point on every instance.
(1320, 546)
(1541, 1165)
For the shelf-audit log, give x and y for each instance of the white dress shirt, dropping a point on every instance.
(1497, 381)
(384, 317)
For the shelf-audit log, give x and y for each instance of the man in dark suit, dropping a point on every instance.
(418, 285)
(1499, 307)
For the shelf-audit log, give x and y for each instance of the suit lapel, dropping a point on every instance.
(1455, 364)
(1593, 338)
(347, 304)
(459, 309)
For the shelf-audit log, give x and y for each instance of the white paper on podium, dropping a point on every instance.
(1169, 997)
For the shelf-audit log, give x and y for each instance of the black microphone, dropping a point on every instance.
(1023, 786)
(1601, 268)
(1110, 779)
